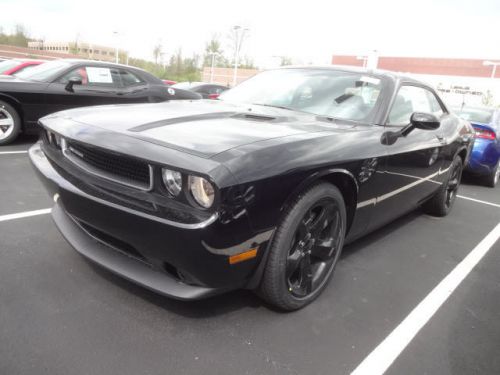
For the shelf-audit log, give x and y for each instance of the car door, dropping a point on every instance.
(133, 89)
(100, 85)
(413, 163)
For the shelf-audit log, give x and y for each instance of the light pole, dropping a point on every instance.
(494, 64)
(364, 58)
(238, 41)
(115, 33)
(213, 54)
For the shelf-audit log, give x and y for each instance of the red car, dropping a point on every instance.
(12, 67)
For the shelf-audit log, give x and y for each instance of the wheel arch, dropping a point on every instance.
(340, 178)
(15, 104)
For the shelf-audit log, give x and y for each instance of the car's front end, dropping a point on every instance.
(166, 219)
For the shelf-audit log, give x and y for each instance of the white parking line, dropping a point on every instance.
(12, 152)
(379, 360)
(20, 215)
(479, 201)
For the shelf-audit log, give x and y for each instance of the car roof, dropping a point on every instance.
(103, 63)
(389, 75)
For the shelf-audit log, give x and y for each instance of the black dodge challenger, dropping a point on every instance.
(259, 190)
(64, 84)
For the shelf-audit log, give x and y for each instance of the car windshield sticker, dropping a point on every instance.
(99, 75)
(373, 81)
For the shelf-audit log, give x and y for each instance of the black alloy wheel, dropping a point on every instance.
(305, 248)
(314, 249)
(453, 184)
(442, 201)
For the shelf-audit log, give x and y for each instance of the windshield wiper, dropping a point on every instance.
(274, 106)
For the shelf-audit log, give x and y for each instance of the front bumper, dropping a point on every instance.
(172, 259)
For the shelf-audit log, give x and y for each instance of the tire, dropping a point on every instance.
(305, 248)
(10, 123)
(492, 179)
(442, 202)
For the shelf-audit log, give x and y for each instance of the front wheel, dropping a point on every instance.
(305, 248)
(10, 123)
(442, 202)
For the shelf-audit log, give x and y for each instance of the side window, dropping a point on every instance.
(93, 76)
(127, 78)
(215, 90)
(436, 108)
(409, 99)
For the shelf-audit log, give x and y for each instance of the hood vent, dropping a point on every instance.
(251, 116)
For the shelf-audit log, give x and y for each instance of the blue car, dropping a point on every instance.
(485, 157)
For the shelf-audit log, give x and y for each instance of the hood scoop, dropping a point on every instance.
(259, 117)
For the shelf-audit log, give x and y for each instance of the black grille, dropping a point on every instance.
(125, 167)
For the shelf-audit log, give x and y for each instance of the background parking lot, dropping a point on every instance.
(61, 314)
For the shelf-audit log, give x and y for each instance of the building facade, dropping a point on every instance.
(86, 50)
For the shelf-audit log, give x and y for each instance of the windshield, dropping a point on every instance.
(45, 72)
(8, 65)
(330, 93)
(481, 115)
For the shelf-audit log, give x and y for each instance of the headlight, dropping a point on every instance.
(202, 191)
(172, 181)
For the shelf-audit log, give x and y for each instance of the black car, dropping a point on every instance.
(258, 190)
(64, 84)
(206, 90)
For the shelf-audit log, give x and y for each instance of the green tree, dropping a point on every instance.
(18, 38)
(157, 52)
(213, 46)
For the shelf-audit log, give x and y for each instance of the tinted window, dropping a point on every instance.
(127, 78)
(409, 99)
(94, 76)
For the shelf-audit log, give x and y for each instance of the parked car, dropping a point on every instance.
(64, 84)
(258, 190)
(168, 82)
(16, 66)
(206, 90)
(485, 158)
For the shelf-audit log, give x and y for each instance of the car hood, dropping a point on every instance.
(202, 127)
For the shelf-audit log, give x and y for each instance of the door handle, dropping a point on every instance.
(441, 139)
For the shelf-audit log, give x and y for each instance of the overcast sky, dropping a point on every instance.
(309, 31)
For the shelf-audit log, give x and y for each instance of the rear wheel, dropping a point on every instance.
(443, 200)
(305, 248)
(10, 123)
(494, 176)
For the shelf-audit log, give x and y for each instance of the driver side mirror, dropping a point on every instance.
(424, 121)
(71, 82)
(418, 120)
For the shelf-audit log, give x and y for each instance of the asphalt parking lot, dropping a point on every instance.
(60, 314)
